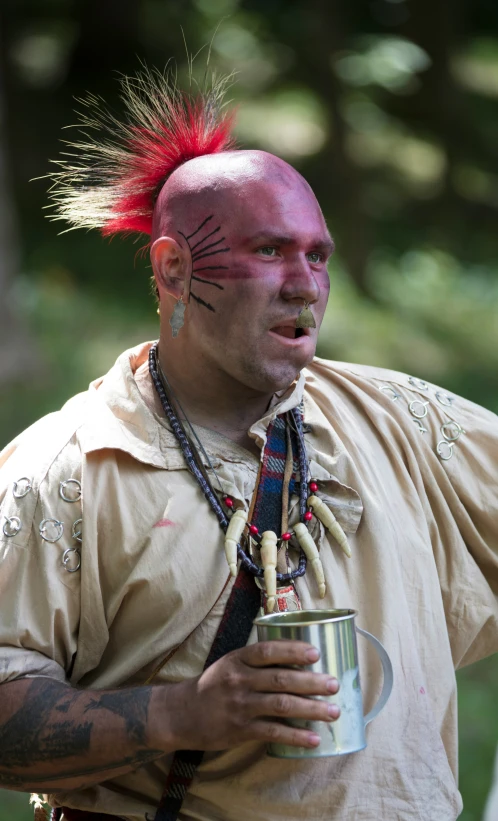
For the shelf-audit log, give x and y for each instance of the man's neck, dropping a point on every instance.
(210, 401)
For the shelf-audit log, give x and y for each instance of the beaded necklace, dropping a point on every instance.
(234, 523)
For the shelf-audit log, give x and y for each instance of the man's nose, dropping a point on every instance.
(300, 282)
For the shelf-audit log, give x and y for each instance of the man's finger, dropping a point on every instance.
(274, 733)
(300, 682)
(269, 653)
(284, 705)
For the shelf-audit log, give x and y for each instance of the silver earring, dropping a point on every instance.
(177, 317)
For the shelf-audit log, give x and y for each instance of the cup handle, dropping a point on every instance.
(387, 669)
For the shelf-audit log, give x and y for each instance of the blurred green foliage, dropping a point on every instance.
(388, 108)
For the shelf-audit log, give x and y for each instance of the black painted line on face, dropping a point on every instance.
(201, 302)
(211, 268)
(197, 229)
(212, 253)
(208, 282)
(207, 247)
(211, 233)
(202, 252)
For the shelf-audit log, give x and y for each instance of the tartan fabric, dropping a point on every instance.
(268, 508)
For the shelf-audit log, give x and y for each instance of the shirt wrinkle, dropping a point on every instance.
(423, 577)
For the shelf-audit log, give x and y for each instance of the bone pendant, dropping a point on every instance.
(234, 532)
(269, 561)
(329, 521)
(311, 550)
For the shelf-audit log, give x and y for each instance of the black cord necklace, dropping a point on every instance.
(196, 467)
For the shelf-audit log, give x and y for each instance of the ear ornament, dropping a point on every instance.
(177, 317)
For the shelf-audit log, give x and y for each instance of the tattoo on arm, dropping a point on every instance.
(132, 706)
(33, 735)
(29, 736)
(36, 781)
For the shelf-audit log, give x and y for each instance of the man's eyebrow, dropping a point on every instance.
(324, 244)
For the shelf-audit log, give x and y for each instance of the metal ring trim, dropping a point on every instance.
(77, 534)
(439, 449)
(57, 523)
(418, 402)
(453, 424)
(26, 489)
(63, 486)
(444, 398)
(66, 559)
(9, 520)
(390, 390)
(421, 384)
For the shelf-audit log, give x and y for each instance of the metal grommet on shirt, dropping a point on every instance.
(420, 425)
(51, 530)
(420, 404)
(444, 398)
(70, 490)
(71, 554)
(77, 532)
(444, 450)
(11, 526)
(418, 383)
(22, 487)
(391, 392)
(452, 431)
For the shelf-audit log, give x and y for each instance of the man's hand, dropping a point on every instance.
(54, 737)
(245, 695)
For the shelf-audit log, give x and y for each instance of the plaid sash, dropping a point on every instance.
(268, 508)
(242, 606)
(236, 624)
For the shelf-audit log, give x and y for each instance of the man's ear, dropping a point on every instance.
(171, 266)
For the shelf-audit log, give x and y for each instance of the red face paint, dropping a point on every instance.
(260, 255)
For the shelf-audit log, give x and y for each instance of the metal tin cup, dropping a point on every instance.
(333, 633)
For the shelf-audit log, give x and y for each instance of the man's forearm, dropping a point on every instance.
(54, 737)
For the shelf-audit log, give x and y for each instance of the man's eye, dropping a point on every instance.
(267, 251)
(314, 257)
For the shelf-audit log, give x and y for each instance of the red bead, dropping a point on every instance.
(308, 516)
(228, 501)
(253, 530)
(286, 536)
(313, 487)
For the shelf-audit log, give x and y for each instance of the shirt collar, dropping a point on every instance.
(281, 402)
(119, 418)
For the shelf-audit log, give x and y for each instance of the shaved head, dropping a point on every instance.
(216, 181)
(240, 238)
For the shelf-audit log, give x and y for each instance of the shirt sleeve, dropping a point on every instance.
(457, 445)
(40, 555)
(467, 446)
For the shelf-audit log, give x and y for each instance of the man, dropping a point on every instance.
(113, 570)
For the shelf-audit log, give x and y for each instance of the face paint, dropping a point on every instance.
(259, 246)
(199, 251)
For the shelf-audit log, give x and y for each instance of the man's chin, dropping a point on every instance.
(270, 380)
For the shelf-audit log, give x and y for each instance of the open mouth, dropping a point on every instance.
(289, 331)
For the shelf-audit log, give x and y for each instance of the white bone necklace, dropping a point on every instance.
(234, 519)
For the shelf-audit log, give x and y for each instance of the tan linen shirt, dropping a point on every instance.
(423, 575)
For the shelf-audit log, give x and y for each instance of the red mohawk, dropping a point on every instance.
(112, 184)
